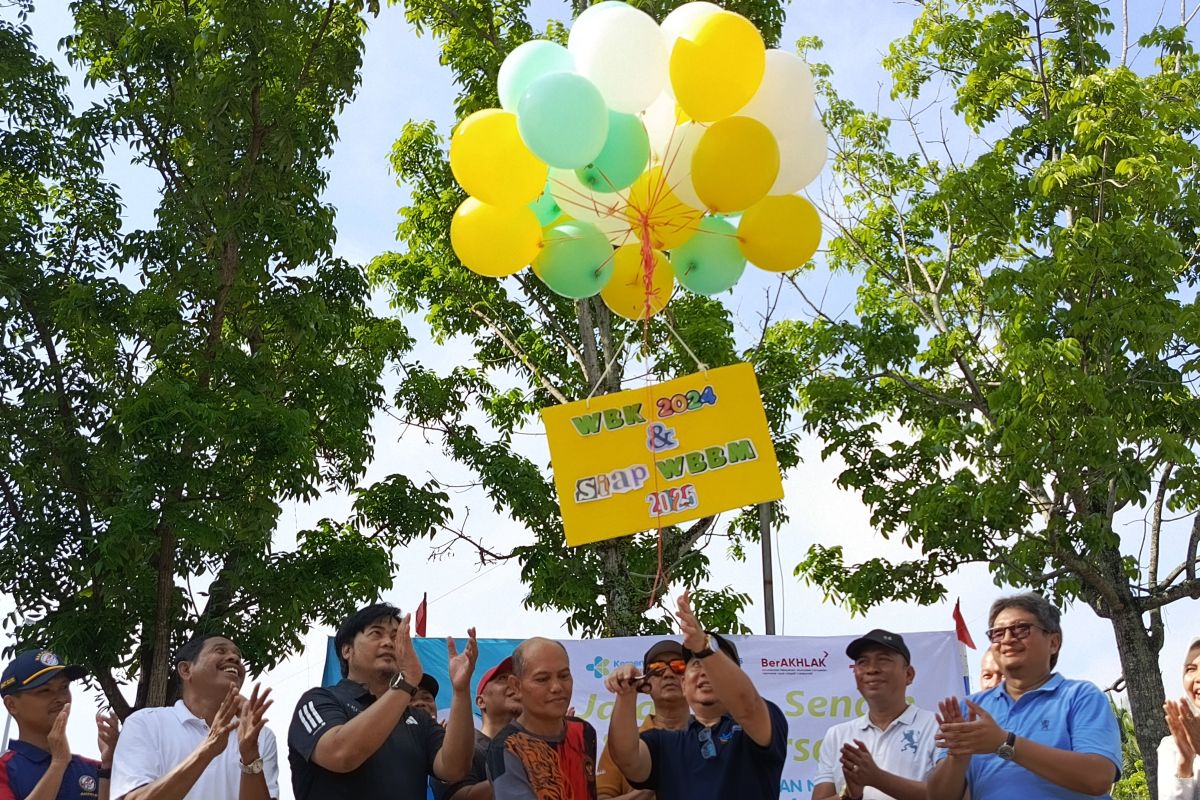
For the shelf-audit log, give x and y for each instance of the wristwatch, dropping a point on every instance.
(255, 767)
(706, 651)
(1007, 750)
(399, 684)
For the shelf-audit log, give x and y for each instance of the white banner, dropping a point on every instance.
(808, 677)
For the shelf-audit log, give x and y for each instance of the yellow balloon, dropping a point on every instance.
(493, 240)
(626, 291)
(717, 64)
(735, 164)
(490, 160)
(656, 214)
(780, 233)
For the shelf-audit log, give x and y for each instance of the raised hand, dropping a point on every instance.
(107, 730)
(223, 723)
(60, 748)
(461, 665)
(251, 722)
(621, 681)
(694, 637)
(407, 660)
(1185, 728)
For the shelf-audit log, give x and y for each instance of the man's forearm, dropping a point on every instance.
(948, 780)
(345, 747)
(254, 787)
(453, 761)
(51, 781)
(624, 744)
(732, 685)
(1086, 773)
(176, 783)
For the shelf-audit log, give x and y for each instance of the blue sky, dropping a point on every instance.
(402, 80)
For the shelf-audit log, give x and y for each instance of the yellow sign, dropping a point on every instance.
(681, 450)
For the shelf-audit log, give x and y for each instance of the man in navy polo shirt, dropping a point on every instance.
(735, 744)
(361, 739)
(1037, 734)
(39, 765)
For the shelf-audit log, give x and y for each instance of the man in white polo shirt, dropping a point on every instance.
(887, 752)
(212, 744)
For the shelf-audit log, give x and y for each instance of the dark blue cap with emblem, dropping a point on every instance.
(879, 638)
(32, 668)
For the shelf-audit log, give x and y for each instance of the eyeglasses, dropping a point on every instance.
(676, 665)
(1020, 630)
(708, 748)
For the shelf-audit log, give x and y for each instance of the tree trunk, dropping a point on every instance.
(1139, 663)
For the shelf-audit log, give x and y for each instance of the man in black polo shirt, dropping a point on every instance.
(360, 740)
(735, 744)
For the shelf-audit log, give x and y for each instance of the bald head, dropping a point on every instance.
(533, 650)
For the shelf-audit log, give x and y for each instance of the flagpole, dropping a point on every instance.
(768, 566)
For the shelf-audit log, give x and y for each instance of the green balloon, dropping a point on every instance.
(562, 119)
(576, 260)
(624, 157)
(526, 64)
(710, 262)
(546, 208)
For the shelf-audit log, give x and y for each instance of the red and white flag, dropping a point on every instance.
(960, 627)
(422, 610)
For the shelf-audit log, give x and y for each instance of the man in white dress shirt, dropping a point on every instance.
(887, 752)
(211, 745)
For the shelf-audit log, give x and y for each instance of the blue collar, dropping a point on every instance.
(32, 752)
(1056, 680)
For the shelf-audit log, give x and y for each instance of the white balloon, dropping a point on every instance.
(802, 155)
(677, 162)
(577, 199)
(621, 50)
(784, 100)
(660, 120)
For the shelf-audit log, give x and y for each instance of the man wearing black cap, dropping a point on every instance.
(663, 666)
(734, 745)
(498, 705)
(426, 696)
(39, 765)
(887, 752)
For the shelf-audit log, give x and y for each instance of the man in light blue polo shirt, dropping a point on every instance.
(1037, 734)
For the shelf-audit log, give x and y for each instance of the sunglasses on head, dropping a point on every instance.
(676, 665)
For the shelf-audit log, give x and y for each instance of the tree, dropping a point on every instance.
(1132, 785)
(1025, 315)
(163, 389)
(533, 349)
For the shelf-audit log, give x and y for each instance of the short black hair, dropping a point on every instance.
(358, 622)
(1048, 616)
(190, 650)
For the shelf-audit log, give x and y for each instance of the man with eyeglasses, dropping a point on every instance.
(1037, 734)
(735, 744)
(887, 752)
(663, 667)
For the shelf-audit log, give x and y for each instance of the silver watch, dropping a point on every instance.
(255, 767)
(1007, 750)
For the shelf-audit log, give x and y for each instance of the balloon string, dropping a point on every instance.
(648, 263)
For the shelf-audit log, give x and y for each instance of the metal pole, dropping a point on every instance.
(7, 725)
(768, 565)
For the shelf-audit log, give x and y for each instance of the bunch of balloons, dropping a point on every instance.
(639, 155)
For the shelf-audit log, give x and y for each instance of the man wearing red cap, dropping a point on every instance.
(38, 765)
(498, 705)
